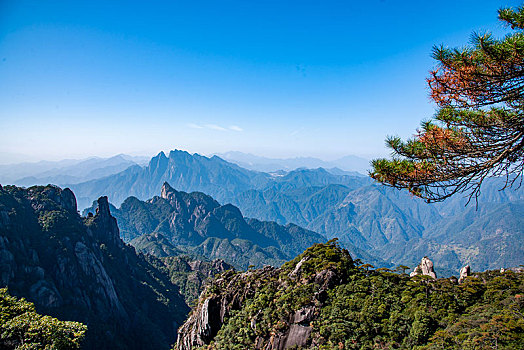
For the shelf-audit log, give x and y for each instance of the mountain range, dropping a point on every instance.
(383, 225)
(194, 223)
(66, 171)
(249, 161)
(78, 268)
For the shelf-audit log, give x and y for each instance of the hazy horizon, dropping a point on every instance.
(275, 79)
(24, 158)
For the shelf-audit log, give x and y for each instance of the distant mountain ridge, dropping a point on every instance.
(396, 227)
(66, 171)
(214, 176)
(252, 162)
(373, 219)
(184, 171)
(370, 218)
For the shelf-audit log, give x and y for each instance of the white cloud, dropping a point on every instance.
(215, 127)
(235, 128)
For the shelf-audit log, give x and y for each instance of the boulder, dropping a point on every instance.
(424, 268)
(464, 272)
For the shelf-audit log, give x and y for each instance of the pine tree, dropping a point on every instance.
(478, 131)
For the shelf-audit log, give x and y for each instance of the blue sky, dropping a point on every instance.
(274, 78)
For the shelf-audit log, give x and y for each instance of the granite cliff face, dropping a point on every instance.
(79, 269)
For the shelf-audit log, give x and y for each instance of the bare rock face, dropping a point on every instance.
(205, 324)
(424, 268)
(464, 272)
(102, 283)
(207, 318)
(105, 227)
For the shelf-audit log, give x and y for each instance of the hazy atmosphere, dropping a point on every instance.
(272, 78)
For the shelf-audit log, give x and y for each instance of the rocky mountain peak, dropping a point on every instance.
(157, 164)
(68, 200)
(166, 190)
(103, 207)
(161, 155)
(176, 153)
(104, 225)
(64, 197)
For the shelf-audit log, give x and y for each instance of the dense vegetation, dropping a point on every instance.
(352, 307)
(21, 327)
(385, 310)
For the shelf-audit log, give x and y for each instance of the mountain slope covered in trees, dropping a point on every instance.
(22, 327)
(79, 269)
(197, 224)
(323, 300)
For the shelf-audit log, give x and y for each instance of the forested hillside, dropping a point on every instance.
(194, 223)
(21, 327)
(79, 269)
(323, 299)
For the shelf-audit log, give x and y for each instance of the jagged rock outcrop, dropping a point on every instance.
(424, 268)
(205, 321)
(104, 226)
(76, 268)
(232, 291)
(464, 272)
